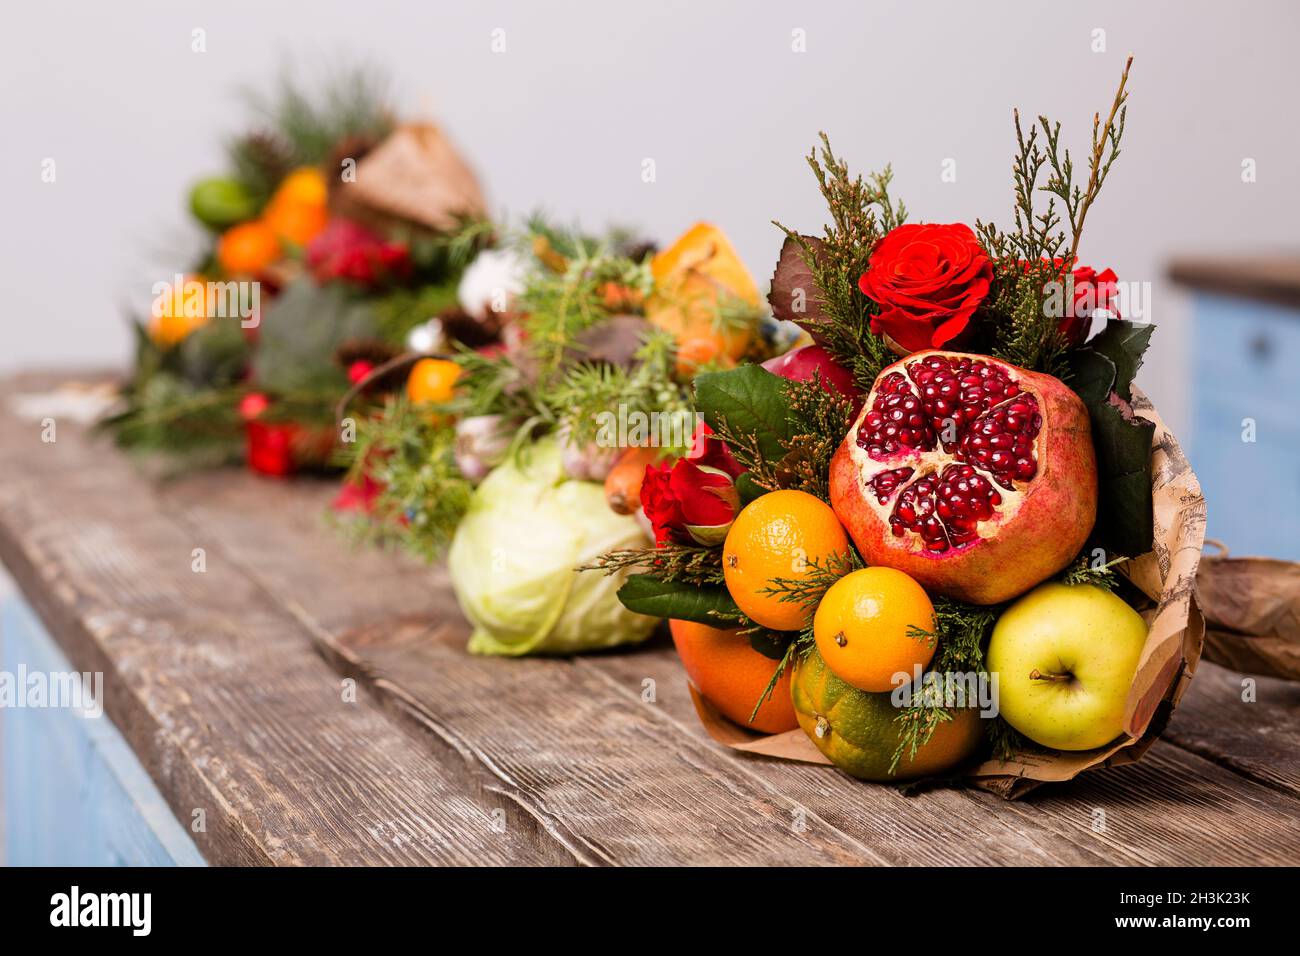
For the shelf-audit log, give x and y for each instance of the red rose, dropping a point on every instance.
(928, 280)
(1093, 291)
(693, 499)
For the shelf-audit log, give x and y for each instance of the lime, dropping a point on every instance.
(220, 202)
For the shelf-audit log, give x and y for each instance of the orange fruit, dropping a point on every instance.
(859, 732)
(775, 536)
(732, 676)
(178, 311)
(432, 380)
(306, 185)
(694, 279)
(248, 248)
(864, 628)
(295, 222)
(702, 348)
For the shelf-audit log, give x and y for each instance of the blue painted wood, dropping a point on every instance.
(74, 793)
(1246, 369)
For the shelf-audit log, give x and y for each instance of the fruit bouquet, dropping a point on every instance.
(947, 536)
(335, 232)
(522, 458)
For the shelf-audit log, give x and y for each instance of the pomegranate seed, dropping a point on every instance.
(993, 424)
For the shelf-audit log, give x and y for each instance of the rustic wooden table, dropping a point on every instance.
(230, 687)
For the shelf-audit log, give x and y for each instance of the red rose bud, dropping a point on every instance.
(659, 503)
(252, 405)
(928, 281)
(1093, 291)
(359, 369)
(708, 500)
(709, 450)
(689, 502)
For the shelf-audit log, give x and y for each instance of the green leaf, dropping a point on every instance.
(772, 644)
(751, 400)
(1124, 343)
(645, 594)
(748, 488)
(1121, 438)
(1092, 376)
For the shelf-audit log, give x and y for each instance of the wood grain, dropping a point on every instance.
(227, 684)
(399, 627)
(217, 688)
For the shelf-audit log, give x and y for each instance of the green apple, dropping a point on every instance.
(1065, 656)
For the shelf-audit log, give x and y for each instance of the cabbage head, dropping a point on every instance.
(514, 555)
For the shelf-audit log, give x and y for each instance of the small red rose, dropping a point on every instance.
(928, 281)
(694, 499)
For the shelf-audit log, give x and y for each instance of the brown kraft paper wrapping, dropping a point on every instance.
(415, 175)
(1252, 608)
(1176, 630)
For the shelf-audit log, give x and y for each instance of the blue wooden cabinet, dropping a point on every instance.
(1246, 372)
(73, 792)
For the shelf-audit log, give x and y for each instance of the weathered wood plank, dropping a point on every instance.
(227, 685)
(1258, 737)
(420, 663)
(611, 785)
(217, 688)
(1154, 812)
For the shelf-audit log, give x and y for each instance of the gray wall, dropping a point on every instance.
(585, 91)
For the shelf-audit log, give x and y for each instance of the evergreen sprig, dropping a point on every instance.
(670, 561)
(588, 392)
(1084, 570)
(1033, 262)
(423, 495)
(861, 211)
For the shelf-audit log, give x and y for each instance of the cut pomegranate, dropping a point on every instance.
(976, 477)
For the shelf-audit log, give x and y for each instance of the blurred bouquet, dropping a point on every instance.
(335, 232)
(504, 455)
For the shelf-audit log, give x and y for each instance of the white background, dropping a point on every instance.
(586, 91)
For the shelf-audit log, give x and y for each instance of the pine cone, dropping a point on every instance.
(261, 160)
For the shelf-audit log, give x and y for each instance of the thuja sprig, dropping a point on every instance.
(861, 211)
(687, 563)
(588, 392)
(816, 418)
(819, 418)
(1104, 152)
(1034, 256)
(961, 632)
(423, 494)
(1083, 570)
(796, 646)
(1024, 331)
(818, 575)
(1038, 235)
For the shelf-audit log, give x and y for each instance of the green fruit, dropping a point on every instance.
(220, 202)
(1065, 656)
(858, 732)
